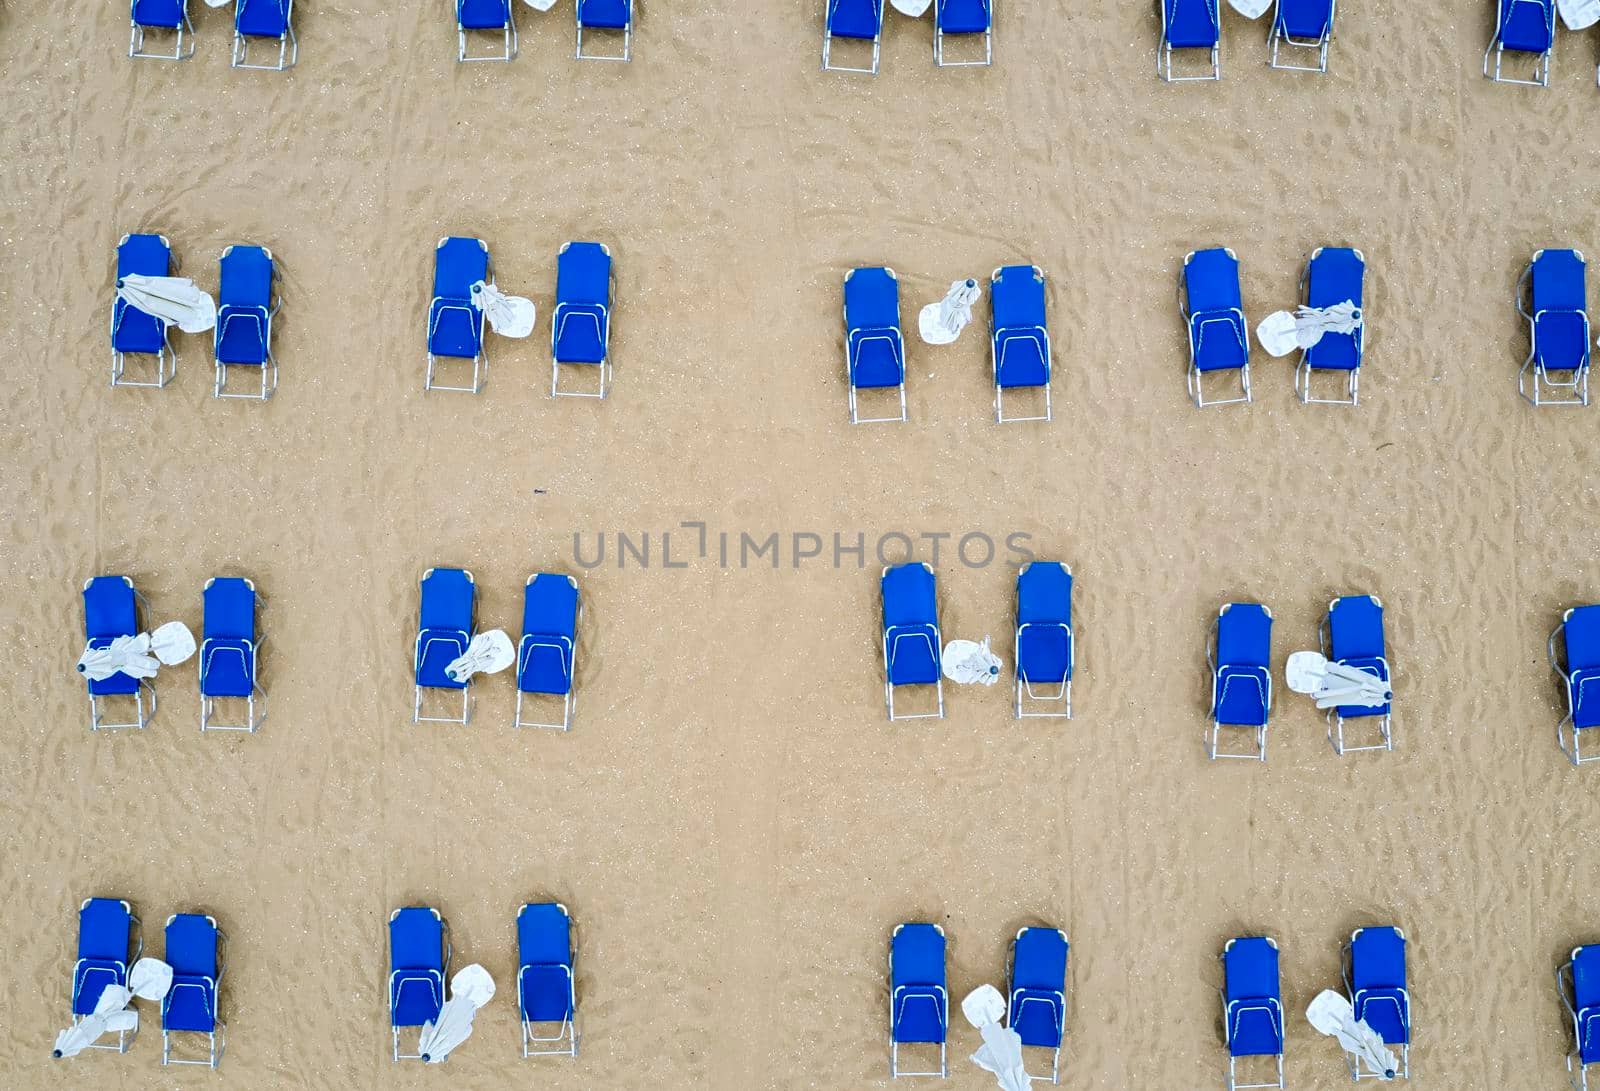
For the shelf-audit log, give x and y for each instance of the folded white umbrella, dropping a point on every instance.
(508, 315)
(1281, 332)
(488, 653)
(1001, 1052)
(1579, 14)
(1331, 1014)
(942, 322)
(1250, 9)
(470, 989)
(968, 661)
(913, 9)
(1333, 684)
(175, 299)
(128, 655)
(149, 979)
(540, 5)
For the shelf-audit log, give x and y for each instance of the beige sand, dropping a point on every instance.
(732, 822)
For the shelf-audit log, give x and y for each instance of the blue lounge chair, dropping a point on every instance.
(109, 943)
(1037, 994)
(445, 627)
(419, 960)
(580, 327)
(608, 16)
(547, 653)
(484, 18)
(1241, 676)
(1523, 26)
(1042, 647)
(1375, 979)
(1335, 274)
(243, 333)
(160, 15)
(919, 1003)
(1558, 328)
(861, 20)
(1252, 1005)
(455, 323)
(911, 642)
(1213, 309)
(1302, 24)
(133, 332)
(965, 18)
(228, 647)
(545, 990)
(1189, 24)
(270, 20)
(874, 349)
(1352, 635)
(194, 951)
(1019, 340)
(110, 610)
(1579, 985)
(1579, 670)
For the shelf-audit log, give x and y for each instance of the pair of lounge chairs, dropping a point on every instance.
(546, 654)
(1042, 642)
(242, 337)
(496, 19)
(1240, 657)
(862, 21)
(1252, 1000)
(547, 998)
(110, 942)
(580, 327)
(1305, 25)
(1019, 338)
(228, 649)
(1553, 296)
(919, 997)
(1212, 303)
(1527, 27)
(1578, 667)
(253, 21)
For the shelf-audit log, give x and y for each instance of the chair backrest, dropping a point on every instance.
(110, 608)
(144, 255)
(1211, 281)
(1044, 594)
(1558, 281)
(917, 955)
(447, 599)
(871, 298)
(416, 939)
(1582, 635)
(230, 609)
(1039, 960)
(262, 18)
(1335, 274)
(910, 595)
(544, 934)
(1355, 628)
(1527, 25)
(192, 945)
(1244, 635)
(458, 264)
(246, 277)
(1250, 969)
(550, 605)
(1378, 959)
(104, 930)
(1016, 297)
(1586, 976)
(583, 273)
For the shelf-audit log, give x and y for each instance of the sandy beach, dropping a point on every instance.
(732, 823)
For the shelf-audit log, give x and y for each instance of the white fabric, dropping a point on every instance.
(488, 653)
(1001, 1052)
(1281, 332)
(1579, 14)
(1331, 1014)
(149, 979)
(508, 315)
(540, 5)
(1333, 684)
(1250, 9)
(914, 9)
(942, 322)
(218, 3)
(967, 661)
(470, 989)
(128, 655)
(173, 643)
(175, 299)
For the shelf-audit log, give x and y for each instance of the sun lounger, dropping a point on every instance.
(1189, 24)
(1579, 985)
(110, 610)
(194, 951)
(108, 945)
(419, 959)
(606, 16)
(228, 649)
(1558, 328)
(163, 15)
(1375, 979)
(1335, 274)
(1213, 309)
(874, 349)
(1241, 676)
(1579, 670)
(861, 20)
(580, 327)
(546, 655)
(1037, 993)
(1019, 340)
(1252, 1005)
(1523, 26)
(919, 1003)
(483, 18)
(445, 627)
(1042, 646)
(963, 18)
(1302, 24)
(911, 641)
(133, 332)
(545, 990)
(243, 334)
(1353, 636)
(269, 20)
(455, 324)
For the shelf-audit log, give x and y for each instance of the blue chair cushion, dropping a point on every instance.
(227, 667)
(1589, 1035)
(1192, 24)
(1239, 696)
(241, 336)
(230, 609)
(1037, 1008)
(158, 14)
(262, 18)
(132, 330)
(135, 331)
(415, 997)
(1586, 976)
(1335, 275)
(605, 14)
(873, 341)
(105, 947)
(458, 264)
(1355, 628)
(190, 1005)
(1558, 281)
(455, 328)
(1386, 1011)
(546, 992)
(1044, 620)
(963, 16)
(910, 623)
(246, 277)
(1244, 635)
(917, 983)
(191, 941)
(855, 18)
(89, 979)
(447, 596)
(1038, 1016)
(483, 14)
(1021, 358)
(877, 358)
(581, 323)
(1562, 340)
(1585, 685)
(1306, 19)
(436, 650)
(580, 333)
(1378, 959)
(1527, 26)
(416, 960)
(1219, 340)
(913, 654)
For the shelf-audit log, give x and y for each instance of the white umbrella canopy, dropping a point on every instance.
(968, 661)
(1334, 684)
(488, 653)
(175, 299)
(1282, 332)
(140, 655)
(470, 989)
(508, 315)
(1579, 14)
(1331, 1014)
(1250, 9)
(914, 9)
(942, 322)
